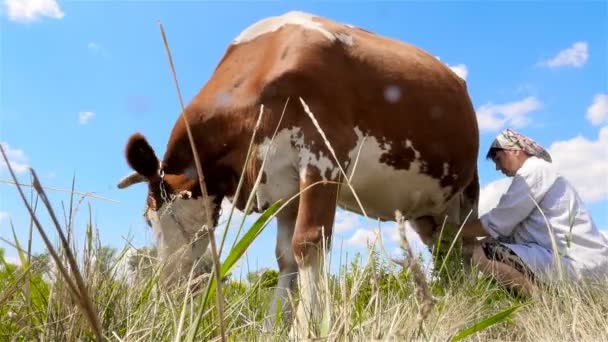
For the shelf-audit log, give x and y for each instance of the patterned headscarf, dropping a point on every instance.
(511, 140)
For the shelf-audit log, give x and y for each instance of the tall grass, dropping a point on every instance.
(369, 299)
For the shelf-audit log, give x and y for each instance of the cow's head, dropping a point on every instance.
(174, 207)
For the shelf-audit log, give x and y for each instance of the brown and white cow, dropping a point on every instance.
(400, 122)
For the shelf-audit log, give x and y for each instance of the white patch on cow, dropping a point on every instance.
(310, 307)
(446, 169)
(175, 226)
(289, 268)
(288, 159)
(308, 158)
(383, 189)
(392, 93)
(408, 143)
(345, 38)
(272, 24)
(280, 167)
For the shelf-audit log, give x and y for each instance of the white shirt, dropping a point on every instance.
(518, 221)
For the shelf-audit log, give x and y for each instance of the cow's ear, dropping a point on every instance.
(141, 156)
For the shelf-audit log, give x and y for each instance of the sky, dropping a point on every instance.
(77, 78)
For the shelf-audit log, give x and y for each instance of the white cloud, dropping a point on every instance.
(16, 158)
(93, 47)
(418, 247)
(362, 238)
(460, 70)
(410, 233)
(237, 218)
(346, 221)
(605, 232)
(3, 216)
(585, 163)
(597, 113)
(97, 49)
(490, 194)
(494, 117)
(25, 11)
(12, 260)
(575, 56)
(121, 268)
(85, 117)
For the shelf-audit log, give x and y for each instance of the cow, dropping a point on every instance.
(342, 117)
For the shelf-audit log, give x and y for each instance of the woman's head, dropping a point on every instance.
(508, 161)
(510, 150)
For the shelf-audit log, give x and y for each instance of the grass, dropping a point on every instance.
(375, 299)
(381, 306)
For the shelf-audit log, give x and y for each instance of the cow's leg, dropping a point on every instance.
(288, 268)
(311, 239)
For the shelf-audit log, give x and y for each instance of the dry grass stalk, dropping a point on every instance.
(201, 180)
(19, 249)
(333, 153)
(423, 290)
(85, 194)
(76, 285)
(258, 179)
(343, 172)
(243, 175)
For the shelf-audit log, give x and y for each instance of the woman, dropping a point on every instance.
(520, 248)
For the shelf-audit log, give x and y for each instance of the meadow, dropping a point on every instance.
(85, 291)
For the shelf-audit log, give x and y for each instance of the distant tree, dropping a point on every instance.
(41, 263)
(142, 261)
(268, 278)
(145, 259)
(105, 259)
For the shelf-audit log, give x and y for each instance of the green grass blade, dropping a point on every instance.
(22, 257)
(235, 254)
(241, 246)
(484, 324)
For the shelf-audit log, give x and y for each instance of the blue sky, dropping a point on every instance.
(77, 78)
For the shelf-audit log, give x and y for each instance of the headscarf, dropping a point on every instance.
(511, 140)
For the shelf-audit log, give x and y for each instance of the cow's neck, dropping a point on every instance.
(219, 140)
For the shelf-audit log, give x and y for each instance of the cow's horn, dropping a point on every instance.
(130, 180)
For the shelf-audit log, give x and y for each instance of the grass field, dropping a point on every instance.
(91, 295)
